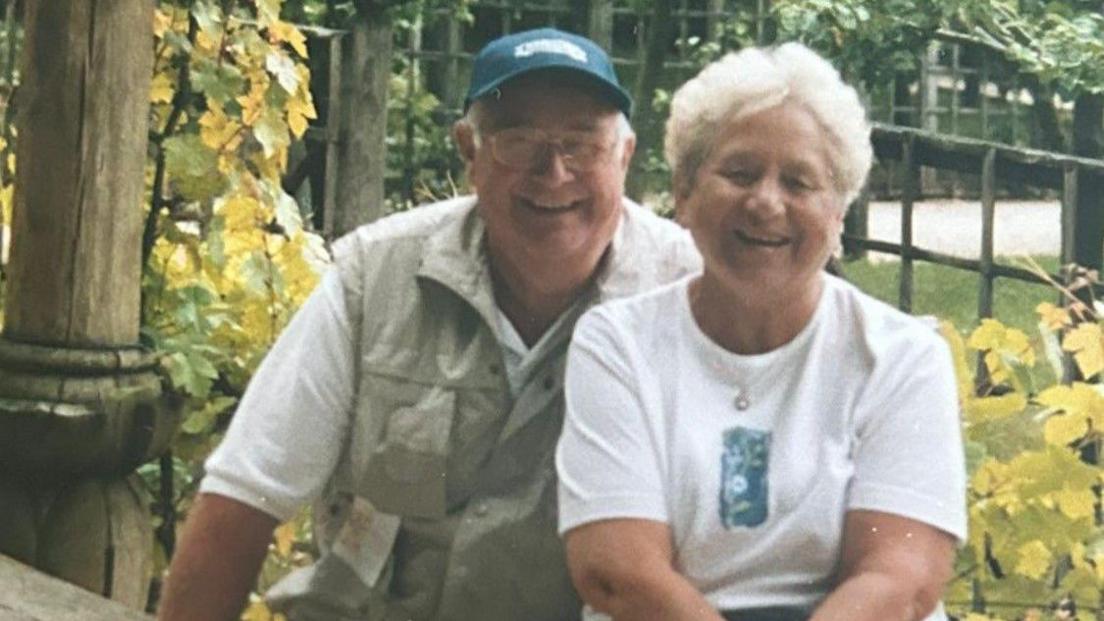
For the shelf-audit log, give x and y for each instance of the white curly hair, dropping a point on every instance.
(755, 79)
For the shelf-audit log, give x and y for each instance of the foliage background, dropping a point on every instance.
(229, 254)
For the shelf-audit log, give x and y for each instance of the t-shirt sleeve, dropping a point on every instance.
(287, 433)
(608, 456)
(908, 455)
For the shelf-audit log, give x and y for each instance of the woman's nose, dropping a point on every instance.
(767, 197)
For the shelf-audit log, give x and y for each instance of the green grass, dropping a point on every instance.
(952, 294)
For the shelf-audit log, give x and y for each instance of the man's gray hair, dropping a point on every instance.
(476, 118)
(755, 79)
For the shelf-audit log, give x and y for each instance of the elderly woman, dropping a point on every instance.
(761, 440)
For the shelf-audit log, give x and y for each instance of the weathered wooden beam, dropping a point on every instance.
(27, 594)
(82, 135)
(1039, 168)
(80, 401)
(360, 162)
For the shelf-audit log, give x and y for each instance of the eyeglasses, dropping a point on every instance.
(522, 148)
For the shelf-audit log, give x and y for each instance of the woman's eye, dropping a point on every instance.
(739, 175)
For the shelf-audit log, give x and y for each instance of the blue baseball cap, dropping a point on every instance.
(516, 54)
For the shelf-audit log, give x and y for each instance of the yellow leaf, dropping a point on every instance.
(207, 43)
(1052, 316)
(994, 408)
(161, 89)
(284, 537)
(1087, 341)
(1076, 503)
(1077, 555)
(1034, 560)
(1078, 397)
(217, 130)
(161, 23)
(1002, 345)
(257, 611)
(1061, 429)
(253, 103)
(300, 108)
(283, 32)
(989, 335)
(963, 373)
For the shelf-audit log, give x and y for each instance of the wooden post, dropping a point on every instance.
(80, 401)
(857, 224)
(648, 126)
(600, 24)
(1070, 197)
(988, 215)
(1088, 141)
(360, 165)
(910, 185)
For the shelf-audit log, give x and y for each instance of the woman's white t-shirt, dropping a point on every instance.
(858, 411)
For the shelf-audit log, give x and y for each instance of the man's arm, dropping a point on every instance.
(892, 569)
(217, 560)
(623, 568)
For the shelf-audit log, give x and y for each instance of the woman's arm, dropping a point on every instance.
(892, 569)
(622, 567)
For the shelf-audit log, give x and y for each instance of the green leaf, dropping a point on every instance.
(193, 168)
(271, 131)
(201, 420)
(220, 81)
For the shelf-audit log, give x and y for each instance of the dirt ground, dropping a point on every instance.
(954, 227)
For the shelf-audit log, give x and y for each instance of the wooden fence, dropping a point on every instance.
(1082, 236)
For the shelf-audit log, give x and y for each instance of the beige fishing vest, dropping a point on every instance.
(443, 504)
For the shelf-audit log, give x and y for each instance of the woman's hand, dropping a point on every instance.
(622, 567)
(892, 569)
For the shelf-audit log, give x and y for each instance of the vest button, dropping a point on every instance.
(549, 383)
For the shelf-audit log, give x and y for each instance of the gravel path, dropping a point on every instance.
(954, 227)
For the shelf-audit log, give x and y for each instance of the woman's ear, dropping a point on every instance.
(680, 192)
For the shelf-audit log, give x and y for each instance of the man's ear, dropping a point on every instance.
(463, 134)
(627, 151)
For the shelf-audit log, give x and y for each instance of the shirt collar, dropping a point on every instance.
(456, 256)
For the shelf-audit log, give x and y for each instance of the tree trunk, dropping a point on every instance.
(645, 121)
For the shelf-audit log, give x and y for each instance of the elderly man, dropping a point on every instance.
(416, 398)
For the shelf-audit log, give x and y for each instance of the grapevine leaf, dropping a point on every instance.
(1034, 560)
(283, 69)
(219, 81)
(193, 168)
(1087, 343)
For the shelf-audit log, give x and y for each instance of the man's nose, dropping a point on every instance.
(551, 165)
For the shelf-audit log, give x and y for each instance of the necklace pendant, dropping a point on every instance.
(742, 401)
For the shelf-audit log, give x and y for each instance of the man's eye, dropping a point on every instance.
(580, 148)
(799, 184)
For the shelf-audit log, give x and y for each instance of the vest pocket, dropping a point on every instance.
(405, 474)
